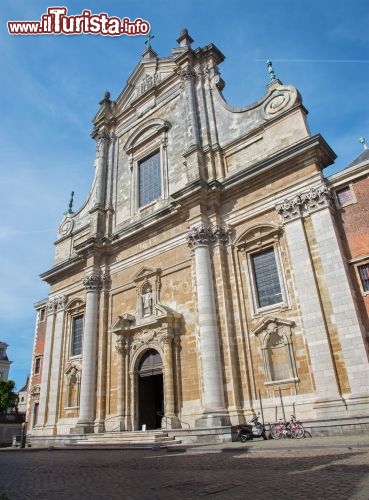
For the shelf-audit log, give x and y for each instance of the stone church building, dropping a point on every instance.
(204, 277)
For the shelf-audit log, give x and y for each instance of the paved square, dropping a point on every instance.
(231, 473)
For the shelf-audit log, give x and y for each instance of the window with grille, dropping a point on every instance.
(149, 179)
(77, 335)
(344, 196)
(364, 276)
(267, 284)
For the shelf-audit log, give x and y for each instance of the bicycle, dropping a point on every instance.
(292, 429)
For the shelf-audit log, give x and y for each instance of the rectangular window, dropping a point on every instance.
(35, 414)
(149, 179)
(364, 276)
(344, 196)
(267, 284)
(77, 335)
(37, 366)
(42, 314)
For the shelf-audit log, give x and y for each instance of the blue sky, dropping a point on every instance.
(51, 85)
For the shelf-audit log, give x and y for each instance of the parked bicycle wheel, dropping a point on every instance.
(276, 431)
(298, 431)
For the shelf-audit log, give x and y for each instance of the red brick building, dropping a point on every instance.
(351, 192)
(36, 368)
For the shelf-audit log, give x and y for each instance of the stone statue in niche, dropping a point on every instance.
(275, 338)
(146, 298)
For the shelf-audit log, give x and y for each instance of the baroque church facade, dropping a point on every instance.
(203, 278)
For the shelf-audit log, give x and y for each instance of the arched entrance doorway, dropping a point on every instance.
(150, 390)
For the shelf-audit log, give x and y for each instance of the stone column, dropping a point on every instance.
(121, 348)
(93, 284)
(344, 313)
(199, 239)
(193, 130)
(308, 298)
(46, 365)
(56, 363)
(103, 140)
(172, 422)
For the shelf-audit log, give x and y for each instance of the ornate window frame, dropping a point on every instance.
(258, 238)
(150, 138)
(74, 309)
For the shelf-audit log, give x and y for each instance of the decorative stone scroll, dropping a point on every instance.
(305, 203)
(206, 235)
(65, 227)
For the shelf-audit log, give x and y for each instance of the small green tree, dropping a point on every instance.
(8, 398)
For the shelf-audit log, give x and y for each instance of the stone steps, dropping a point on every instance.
(135, 439)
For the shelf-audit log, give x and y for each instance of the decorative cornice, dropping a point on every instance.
(306, 203)
(206, 235)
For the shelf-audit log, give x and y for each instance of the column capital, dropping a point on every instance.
(317, 198)
(56, 304)
(187, 74)
(121, 345)
(205, 235)
(93, 282)
(60, 302)
(103, 135)
(290, 209)
(305, 203)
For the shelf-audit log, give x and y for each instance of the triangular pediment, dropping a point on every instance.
(148, 74)
(145, 272)
(263, 325)
(123, 322)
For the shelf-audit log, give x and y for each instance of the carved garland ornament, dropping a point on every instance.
(148, 338)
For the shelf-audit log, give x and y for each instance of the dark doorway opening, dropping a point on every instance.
(150, 390)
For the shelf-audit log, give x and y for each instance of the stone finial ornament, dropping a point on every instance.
(271, 71)
(106, 98)
(184, 39)
(362, 141)
(70, 211)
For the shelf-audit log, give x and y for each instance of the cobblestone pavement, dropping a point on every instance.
(209, 472)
